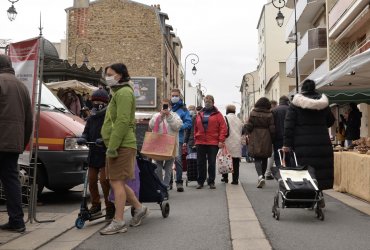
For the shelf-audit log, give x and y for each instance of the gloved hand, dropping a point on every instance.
(81, 141)
(112, 153)
(99, 142)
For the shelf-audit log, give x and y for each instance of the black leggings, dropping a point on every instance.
(261, 166)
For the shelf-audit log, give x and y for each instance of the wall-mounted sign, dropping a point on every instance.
(145, 91)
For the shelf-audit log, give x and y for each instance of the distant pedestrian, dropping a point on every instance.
(306, 132)
(261, 130)
(179, 107)
(233, 142)
(279, 114)
(209, 133)
(189, 134)
(96, 159)
(118, 133)
(16, 128)
(173, 124)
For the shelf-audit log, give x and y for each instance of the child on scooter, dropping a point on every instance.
(96, 159)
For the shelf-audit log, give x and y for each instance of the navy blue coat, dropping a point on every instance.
(91, 132)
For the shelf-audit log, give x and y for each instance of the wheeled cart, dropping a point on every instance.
(298, 188)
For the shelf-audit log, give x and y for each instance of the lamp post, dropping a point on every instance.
(194, 61)
(86, 49)
(12, 13)
(279, 4)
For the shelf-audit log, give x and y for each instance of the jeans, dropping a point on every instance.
(270, 164)
(9, 176)
(236, 164)
(204, 153)
(167, 167)
(178, 164)
(94, 189)
(261, 166)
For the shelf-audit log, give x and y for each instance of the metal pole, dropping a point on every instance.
(296, 48)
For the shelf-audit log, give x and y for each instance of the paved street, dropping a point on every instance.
(343, 227)
(198, 220)
(204, 219)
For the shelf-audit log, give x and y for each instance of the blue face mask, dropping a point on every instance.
(175, 99)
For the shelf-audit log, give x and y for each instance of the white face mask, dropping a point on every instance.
(111, 81)
(175, 99)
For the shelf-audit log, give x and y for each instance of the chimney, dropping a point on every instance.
(81, 3)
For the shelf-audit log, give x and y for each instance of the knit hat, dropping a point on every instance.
(100, 95)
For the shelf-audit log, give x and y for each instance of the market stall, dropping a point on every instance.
(352, 174)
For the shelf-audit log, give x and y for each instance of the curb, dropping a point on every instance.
(246, 232)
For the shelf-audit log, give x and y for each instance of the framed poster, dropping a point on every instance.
(145, 91)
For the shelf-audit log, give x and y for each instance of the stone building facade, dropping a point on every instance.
(129, 32)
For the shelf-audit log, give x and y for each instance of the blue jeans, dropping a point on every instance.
(9, 175)
(167, 167)
(178, 164)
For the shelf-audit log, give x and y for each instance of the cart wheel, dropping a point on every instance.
(132, 211)
(79, 223)
(165, 207)
(277, 214)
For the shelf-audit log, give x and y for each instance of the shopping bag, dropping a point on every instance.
(224, 161)
(159, 146)
(134, 184)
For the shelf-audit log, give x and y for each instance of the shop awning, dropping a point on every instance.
(349, 81)
(347, 96)
(81, 87)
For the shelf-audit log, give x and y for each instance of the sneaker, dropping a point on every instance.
(95, 210)
(180, 187)
(109, 212)
(11, 228)
(114, 227)
(212, 186)
(139, 214)
(200, 186)
(261, 182)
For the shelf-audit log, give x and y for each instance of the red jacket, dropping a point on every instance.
(216, 131)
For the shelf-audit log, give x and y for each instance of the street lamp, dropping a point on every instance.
(194, 61)
(86, 49)
(12, 13)
(279, 4)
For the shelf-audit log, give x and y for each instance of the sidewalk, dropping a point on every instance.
(62, 234)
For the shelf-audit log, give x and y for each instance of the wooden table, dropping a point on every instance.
(352, 174)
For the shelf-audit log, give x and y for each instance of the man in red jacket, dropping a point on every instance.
(210, 132)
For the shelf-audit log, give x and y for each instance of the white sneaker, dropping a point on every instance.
(114, 227)
(261, 182)
(139, 214)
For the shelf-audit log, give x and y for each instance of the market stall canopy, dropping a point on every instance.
(78, 86)
(349, 81)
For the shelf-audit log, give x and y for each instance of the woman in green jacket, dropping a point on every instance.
(118, 133)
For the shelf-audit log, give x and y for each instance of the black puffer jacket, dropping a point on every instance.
(306, 132)
(91, 133)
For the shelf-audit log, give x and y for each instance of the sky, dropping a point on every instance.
(222, 33)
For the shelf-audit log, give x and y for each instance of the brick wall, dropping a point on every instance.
(119, 31)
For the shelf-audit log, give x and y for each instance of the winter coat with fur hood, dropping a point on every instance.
(261, 130)
(306, 132)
